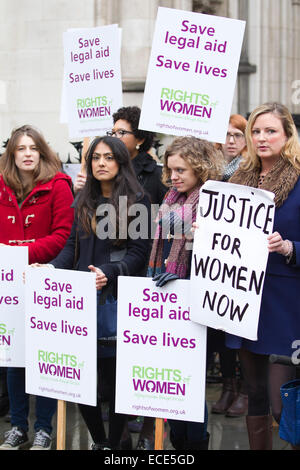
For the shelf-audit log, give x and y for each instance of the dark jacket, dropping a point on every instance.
(149, 174)
(103, 254)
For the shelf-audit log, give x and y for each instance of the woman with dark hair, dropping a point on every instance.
(138, 143)
(35, 211)
(149, 174)
(102, 234)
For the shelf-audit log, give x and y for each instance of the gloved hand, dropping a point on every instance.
(162, 279)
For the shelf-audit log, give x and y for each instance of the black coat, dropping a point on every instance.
(103, 254)
(149, 174)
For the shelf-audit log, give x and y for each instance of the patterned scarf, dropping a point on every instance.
(280, 180)
(231, 168)
(184, 208)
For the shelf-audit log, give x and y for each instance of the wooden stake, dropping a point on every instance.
(159, 434)
(61, 425)
(86, 143)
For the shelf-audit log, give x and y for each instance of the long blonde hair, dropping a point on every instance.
(291, 149)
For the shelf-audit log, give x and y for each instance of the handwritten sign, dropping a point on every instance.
(60, 327)
(230, 257)
(158, 347)
(192, 74)
(92, 88)
(12, 304)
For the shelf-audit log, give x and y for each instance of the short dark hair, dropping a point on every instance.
(132, 115)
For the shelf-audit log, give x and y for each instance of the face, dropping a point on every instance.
(104, 166)
(123, 130)
(182, 175)
(268, 136)
(235, 142)
(27, 155)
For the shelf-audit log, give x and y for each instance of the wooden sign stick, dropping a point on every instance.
(61, 425)
(86, 143)
(159, 434)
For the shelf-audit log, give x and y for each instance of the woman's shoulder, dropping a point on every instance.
(60, 176)
(142, 198)
(59, 182)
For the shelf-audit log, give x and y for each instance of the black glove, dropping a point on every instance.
(163, 278)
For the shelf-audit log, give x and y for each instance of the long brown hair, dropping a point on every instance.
(49, 163)
(124, 184)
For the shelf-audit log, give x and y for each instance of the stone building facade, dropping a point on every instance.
(31, 54)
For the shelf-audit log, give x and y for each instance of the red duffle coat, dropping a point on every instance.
(43, 221)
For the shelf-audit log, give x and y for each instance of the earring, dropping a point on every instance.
(138, 147)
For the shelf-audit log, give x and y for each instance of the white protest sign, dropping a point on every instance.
(230, 255)
(161, 354)
(60, 327)
(92, 86)
(14, 260)
(192, 74)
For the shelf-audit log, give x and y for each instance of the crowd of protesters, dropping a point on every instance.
(41, 209)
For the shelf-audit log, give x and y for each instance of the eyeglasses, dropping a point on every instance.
(119, 134)
(236, 136)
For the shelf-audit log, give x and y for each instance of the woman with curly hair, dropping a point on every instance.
(189, 163)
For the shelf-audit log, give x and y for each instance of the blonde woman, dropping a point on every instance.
(273, 164)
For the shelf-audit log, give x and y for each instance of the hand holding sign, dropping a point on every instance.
(230, 256)
(101, 279)
(278, 245)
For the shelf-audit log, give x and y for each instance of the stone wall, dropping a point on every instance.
(31, 54)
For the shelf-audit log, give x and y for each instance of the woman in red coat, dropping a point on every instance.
(35, 211)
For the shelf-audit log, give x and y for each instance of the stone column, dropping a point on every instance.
(295, 81)
(245, 68)
(274, 34)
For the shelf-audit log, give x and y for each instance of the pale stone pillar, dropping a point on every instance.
(295, 80)
(274, 34)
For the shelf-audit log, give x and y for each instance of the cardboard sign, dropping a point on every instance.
(230, 255)
(60, 326)
(161, 354)
(12, 304)
(192, 74)
(92, 87)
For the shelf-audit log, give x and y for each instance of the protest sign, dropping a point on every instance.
(60, 332)
(14, 260)
(230, 256)
(161, 354)
(92, 87)
(192, 74)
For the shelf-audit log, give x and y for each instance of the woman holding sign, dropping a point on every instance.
(102, 241)
(35, 211)
(273, 164)
(189, 163)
